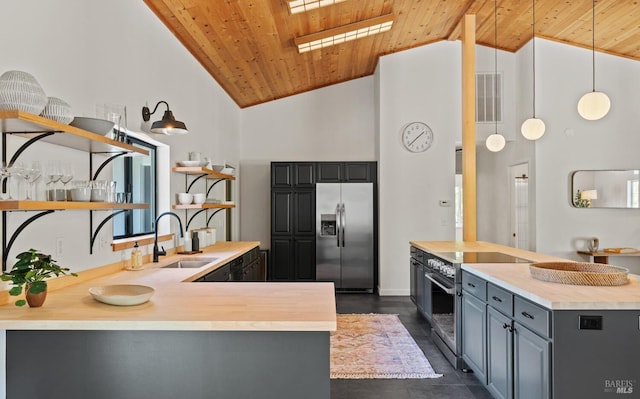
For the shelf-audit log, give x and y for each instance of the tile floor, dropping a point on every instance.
(454, 384)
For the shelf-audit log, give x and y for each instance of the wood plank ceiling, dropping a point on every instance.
(248, 45)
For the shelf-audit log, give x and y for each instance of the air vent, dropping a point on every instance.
(488, 109)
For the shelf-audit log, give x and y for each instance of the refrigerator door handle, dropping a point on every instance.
(339, 221)
(343, 222)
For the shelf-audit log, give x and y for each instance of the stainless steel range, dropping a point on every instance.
(437, 291)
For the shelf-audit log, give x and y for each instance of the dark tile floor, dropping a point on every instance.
(454, 383)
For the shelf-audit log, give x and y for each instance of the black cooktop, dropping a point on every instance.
(481, 257)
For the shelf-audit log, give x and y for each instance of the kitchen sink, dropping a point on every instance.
(189, 263)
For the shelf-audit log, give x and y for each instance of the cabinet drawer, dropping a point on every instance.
(532, 316)
(474, 285)
(500, 299)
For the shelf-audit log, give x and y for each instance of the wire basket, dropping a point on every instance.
(579, 273)
(21, 91)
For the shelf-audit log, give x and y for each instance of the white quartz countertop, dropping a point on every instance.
(179, 304)
(515, 277)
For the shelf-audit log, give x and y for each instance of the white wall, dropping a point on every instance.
(91, 52)
(335, 123)
(563, 75)
(572, 143)
(422, 84)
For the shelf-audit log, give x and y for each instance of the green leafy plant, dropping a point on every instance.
(579, 202)
(32, 269)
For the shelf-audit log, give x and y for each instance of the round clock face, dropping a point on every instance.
(417, 137)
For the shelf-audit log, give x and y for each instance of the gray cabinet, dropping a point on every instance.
(506, 340)
(420, 284)
(531, 364)
(474, 330)
(419, 287)
(499, 354)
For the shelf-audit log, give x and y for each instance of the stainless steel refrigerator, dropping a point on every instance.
(344, 235)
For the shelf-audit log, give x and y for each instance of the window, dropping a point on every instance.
(136, 175)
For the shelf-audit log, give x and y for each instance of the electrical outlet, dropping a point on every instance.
(59, 247)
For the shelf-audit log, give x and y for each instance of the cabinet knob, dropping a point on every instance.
(471, 285)
(497, 299)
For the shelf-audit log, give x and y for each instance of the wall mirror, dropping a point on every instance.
(605, 188)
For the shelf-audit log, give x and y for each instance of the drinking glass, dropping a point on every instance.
(5, 174)
(31, 172)
(15, 169)
(66, 174)
(52, 175)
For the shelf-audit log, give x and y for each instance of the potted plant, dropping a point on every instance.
(30, 271)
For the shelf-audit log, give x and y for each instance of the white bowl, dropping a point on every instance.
(199, 198)
(81, 194)
(217, 168)
(227, 171)
(122, 294)
(189, 163)
(95, 125)
(184, 198)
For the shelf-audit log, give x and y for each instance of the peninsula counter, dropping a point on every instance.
(192, 339)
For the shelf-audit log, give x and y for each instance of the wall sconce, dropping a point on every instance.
(168, 125)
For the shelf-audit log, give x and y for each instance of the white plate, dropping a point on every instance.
(122, 294)
(189, 163)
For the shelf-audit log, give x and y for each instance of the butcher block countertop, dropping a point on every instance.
(179, 304)
(516, 278)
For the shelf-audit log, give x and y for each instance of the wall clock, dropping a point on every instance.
(417, 137)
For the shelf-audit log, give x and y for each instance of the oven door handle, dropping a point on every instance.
(449, 291)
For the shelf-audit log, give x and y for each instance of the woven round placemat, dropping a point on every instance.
(579, 273)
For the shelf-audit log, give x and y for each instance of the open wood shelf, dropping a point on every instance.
(28, 205)
(199, 170)
(203, 206)
(28, 125)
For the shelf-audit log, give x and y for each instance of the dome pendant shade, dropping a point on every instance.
(533, 128)
(169, 125)
(594, 105)
(495, 142)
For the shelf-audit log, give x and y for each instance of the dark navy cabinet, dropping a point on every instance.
(350, 172)
(293, 212)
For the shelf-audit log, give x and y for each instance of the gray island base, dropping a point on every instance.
(167, 364)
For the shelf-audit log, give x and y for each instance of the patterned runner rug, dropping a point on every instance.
(369, 346)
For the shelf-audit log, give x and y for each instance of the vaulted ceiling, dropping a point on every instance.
(248, 45)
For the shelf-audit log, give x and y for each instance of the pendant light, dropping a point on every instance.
(533, 128)
(595, 104)
(495, 142)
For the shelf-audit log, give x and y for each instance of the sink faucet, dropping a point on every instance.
(157, 253)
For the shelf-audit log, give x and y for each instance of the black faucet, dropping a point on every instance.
(157, 253)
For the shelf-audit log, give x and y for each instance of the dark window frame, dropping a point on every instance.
(128, 186)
